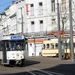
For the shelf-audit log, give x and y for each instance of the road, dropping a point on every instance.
(41, 66)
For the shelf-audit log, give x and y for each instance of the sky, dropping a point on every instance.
(4, 4)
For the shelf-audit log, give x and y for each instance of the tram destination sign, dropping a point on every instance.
(16, 37)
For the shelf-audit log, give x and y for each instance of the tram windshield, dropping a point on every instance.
(17, 45)
(13, 45)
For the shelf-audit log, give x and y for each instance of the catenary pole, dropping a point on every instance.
(71, 31)
(59, 37)
(22, 20)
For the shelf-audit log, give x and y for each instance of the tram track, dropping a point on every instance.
(42, 72)
(35, 71)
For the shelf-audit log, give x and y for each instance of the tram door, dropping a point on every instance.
(4, 60)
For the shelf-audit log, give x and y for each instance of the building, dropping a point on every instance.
(35, 19)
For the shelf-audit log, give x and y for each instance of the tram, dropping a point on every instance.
(50, 48)
(12, 50)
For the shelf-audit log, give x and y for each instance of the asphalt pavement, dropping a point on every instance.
(41, 66)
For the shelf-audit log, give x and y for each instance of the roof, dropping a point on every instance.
(3, 13)
(12, 37)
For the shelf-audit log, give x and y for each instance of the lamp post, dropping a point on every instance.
(71, 31)
(59, 37)
(34, 46)
(62, 45)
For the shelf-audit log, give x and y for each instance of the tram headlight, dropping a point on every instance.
(21, 56)
(17, 54)
(13, 57)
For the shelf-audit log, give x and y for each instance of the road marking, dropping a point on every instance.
(47, 72)
(32, 73)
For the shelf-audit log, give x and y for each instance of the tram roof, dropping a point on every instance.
(12, 37)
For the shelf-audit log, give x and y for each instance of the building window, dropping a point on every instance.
(31, 9)
(53, 5)
(32, 26)
(32, 22)
(53, 21)
(40, 8)
(54, 24)
(41, 25)
(30, 44)
(63, 4)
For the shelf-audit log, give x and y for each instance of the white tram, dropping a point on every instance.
(12, 49)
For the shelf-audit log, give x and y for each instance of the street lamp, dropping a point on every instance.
(22, 20)
(71, 30)
(59, 37)
(62, 39)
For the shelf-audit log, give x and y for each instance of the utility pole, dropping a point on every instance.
(62, 43)
(71, 31)
(59, 37)
(63, 25)
(35, 45)
(22, 20)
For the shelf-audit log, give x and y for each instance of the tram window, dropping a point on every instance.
(52, 46)
(43, 46)
(56, 45)
(12, 45)
(20, 45)
(67, 45)
(74, 45)
(47, 46)
(0, 47)
(7, 45)
(17, 45)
